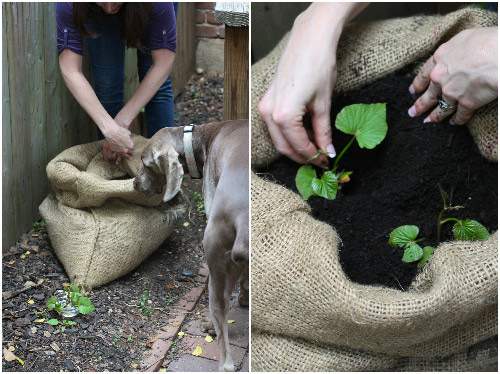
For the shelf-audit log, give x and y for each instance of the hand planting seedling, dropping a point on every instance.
(367, 123)
(68, 303)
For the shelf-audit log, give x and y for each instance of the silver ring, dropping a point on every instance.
(445, 106)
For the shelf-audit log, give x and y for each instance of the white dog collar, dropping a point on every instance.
(189, 153)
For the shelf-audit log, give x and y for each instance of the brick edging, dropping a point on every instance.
(161, 342)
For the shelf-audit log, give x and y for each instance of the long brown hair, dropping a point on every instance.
(134, 19)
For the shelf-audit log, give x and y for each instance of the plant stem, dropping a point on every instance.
(451, 219)
(341, 154)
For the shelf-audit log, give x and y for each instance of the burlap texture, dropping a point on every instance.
(369, 51)
(99, 227)
(306, 314)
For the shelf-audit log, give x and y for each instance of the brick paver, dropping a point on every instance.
(188, 317)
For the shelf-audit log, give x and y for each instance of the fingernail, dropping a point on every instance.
(412, 89)
(412, 111)
(330, 149)
(427, 120)
(452, 122)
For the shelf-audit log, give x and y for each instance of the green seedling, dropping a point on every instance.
(406, 237)
(463, 229)
(368, 125)
(74, 297)
(38, 225)
(143, 304)
(198, 200)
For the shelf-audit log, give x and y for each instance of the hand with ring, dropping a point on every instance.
(459, 78)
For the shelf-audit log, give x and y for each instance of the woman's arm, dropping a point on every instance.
(163, 60)
(304, 82)
(70, 64)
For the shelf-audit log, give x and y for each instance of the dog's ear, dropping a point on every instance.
(168, 163)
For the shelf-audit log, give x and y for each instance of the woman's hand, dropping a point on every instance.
(119, 141)
(304, 82)
(463, 73)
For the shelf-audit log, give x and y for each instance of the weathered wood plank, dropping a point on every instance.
(186, 47)
(236, 73)
(8, 227)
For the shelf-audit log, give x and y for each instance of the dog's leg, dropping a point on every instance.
(243, 296)
(217, 246)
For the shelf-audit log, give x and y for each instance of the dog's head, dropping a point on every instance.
(161, 169)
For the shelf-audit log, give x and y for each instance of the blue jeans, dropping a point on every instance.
(107, 63)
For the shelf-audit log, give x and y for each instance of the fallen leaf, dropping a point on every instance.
(9, 356)
(133, 365)
(12, 348)
(34, 330)
(12, 262)
(169, 286)
(197, 351)
(180, 334)
(231, 321)
(29, 284)
(55, 347)
(46, 334)
(209, 339)
(31, 301)
(40, 320)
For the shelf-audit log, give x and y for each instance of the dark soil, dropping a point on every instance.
(115, 336)
(397, 184)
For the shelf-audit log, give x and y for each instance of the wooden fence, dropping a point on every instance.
(40, 117)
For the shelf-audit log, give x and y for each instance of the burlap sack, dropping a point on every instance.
(306, 314)
(99, 226)
(369, 51)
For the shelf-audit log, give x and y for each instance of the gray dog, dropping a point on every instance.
(218, 152)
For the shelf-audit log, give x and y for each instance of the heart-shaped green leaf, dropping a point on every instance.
(327, 186)
(303, 181)
(413, 252)
(403, 235)
(367, 122)
(468, 229)
(53, 322)
(426, 256)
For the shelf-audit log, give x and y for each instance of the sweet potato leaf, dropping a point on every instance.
(303, 181)
(403, 235)
(367, 122)
(468, 229)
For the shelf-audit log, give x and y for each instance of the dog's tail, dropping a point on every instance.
(239, 252)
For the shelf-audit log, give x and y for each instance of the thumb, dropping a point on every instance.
(323, 130)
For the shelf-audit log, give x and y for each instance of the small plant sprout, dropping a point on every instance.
(68, 303)
(463, 229)
(143, 304)
(367, 123)
(406, 237)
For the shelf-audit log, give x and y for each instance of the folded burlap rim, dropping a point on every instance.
(306, 314)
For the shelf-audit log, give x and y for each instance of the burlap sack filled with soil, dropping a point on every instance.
(369, 51)
(99, 226)
(306, 314)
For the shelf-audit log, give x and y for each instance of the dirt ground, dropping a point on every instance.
(115, 336)
(397, 184)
